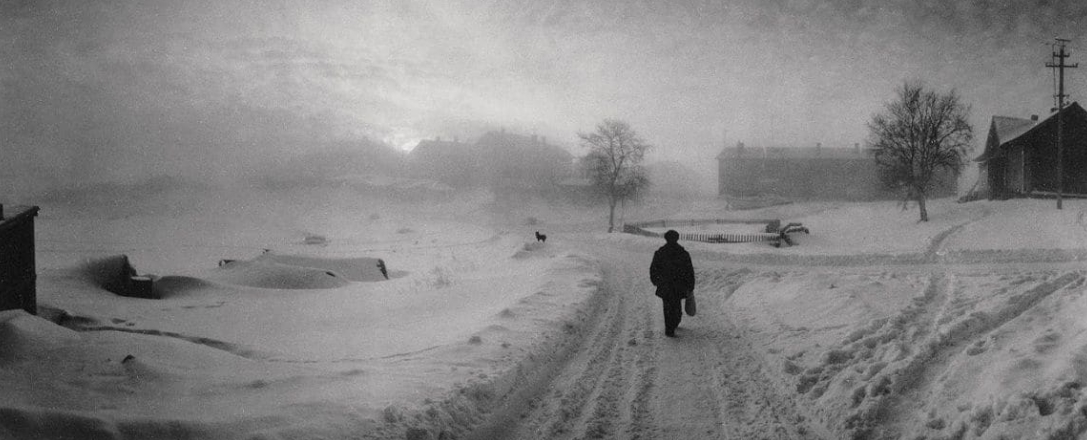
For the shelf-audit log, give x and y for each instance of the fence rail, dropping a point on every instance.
(18, 274)
(770, 233)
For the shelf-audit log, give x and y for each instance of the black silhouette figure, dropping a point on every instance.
(541, 237)
(673, 274)
(381, 267)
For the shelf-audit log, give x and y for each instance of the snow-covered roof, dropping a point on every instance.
(1004, 130)
(1007, 128)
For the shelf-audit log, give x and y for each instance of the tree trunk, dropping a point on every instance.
(611, 215)
(921, 205)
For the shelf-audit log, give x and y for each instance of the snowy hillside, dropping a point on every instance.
(873, 326)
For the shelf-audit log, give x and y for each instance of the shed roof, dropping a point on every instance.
(1007, 129)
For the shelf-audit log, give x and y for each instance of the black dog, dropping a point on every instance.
(541, 237)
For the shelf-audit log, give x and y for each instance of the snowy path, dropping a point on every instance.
(880, 346)
(629, 381)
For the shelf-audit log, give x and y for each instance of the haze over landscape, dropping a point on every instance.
(231, 240)
(113, 90)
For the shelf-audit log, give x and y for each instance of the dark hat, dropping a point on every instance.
(671, 236)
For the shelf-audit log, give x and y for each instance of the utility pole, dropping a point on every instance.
(1060, 66)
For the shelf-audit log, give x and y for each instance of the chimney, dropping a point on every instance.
(818, 148)
(857, 147)
(1034, 118)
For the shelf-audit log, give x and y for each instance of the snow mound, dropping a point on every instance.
(23, 335)
(113, 273)
(271, 275)
(354, 269)
(172, 286)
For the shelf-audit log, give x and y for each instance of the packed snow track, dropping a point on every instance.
(630, 381)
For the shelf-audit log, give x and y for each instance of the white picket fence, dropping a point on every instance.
(773, 237)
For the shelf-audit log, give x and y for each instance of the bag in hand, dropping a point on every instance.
(689, 304)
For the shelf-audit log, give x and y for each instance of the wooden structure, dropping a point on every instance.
(772, 231)
(809, 174)
(18, 272)
(1020, 157)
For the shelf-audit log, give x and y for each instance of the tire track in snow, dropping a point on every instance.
(234, 349)
(630, 381)
(720, 389)
(568, 411)
(617, 406)
(938, 347)
(639, 421)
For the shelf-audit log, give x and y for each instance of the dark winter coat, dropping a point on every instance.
(672, 271)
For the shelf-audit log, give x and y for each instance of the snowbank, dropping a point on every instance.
(959, 343)
(874, 325)
(298, 342)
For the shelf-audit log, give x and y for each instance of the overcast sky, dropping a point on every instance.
(109, 89)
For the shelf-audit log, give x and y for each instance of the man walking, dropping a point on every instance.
(673, 274)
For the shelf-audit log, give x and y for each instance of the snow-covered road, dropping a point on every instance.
(629, 381)
(943, 343)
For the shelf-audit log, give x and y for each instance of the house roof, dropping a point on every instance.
(1007, 129)
(1004, 130)
(428, 147)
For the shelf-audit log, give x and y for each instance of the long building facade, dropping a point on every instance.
(809, 174)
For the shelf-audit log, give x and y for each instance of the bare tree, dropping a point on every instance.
(918, 135)
(613, 163)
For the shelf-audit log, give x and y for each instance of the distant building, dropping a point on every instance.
(1020, 157)
(672, 179)
(503, 161)
(808, 174)
(519, 162)
(453, 163)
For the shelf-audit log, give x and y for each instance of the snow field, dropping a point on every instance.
(939, 351)
(940, 356)
(874, 326)
(299, 342)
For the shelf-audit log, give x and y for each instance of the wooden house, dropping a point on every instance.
(1020, 157)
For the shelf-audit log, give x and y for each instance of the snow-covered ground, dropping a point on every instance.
(873, 326)
(283, 347)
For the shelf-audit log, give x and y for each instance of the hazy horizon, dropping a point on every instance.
(113, 90)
